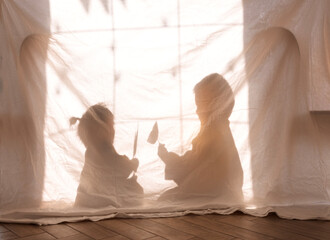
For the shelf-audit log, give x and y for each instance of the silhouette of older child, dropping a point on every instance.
(212, 168)
(105, 178)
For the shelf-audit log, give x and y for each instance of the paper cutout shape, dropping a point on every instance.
(153, 136)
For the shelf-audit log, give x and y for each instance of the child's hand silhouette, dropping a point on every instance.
(162, 151)
(135, 163)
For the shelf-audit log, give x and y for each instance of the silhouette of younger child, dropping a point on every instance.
(105, 179)
(212, 168)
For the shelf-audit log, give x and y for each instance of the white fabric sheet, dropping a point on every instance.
(142, 59)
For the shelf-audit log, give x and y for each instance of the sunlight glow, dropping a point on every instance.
(149, 55)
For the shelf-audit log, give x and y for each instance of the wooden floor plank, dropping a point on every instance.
(118, 237)
(7, 235)
(23, 230)
(92, 230)
(261, 228)
(313, 229)
(78, 236)
(3, 229)
(59, 230)
(124, 229)
(193, 229)
(159, 229)
(156, 238)
(234, 231)
(236, 226)
(318, 225)
(41, 236)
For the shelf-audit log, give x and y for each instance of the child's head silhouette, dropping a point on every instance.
(214, 98)
(96, 126)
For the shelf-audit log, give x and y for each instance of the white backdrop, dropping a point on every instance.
(143, 59)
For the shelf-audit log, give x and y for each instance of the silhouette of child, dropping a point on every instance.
(212, 168)
(105, 179)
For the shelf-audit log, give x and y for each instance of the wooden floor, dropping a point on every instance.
(237, 226)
